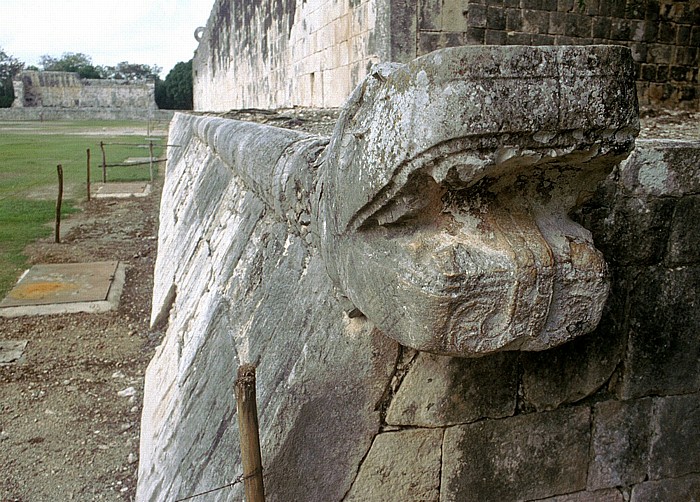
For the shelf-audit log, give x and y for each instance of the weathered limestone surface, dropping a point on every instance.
(520, 458)
(242, 287)
(444, 204)
(245, 272)
(416, 477)
(442, 390)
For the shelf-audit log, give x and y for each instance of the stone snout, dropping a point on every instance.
(468, 270)
(445, 192)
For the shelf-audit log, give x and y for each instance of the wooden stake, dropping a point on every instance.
(150, 162)
(250, 441)
(59, 168)
(88, 175)
(104, 162)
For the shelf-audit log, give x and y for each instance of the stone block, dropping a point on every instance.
(663, 354)
(634, 231)
(636, 9)
(441, 390)
(557, 23)
(575, 370)
(601, 27)
(515, 38)
(454, 15)
(648, 72)
(620, 444)
(429, 42)
(675, 446)
(566, 5)
(514, 19)
(535, 21)
(679, 489)
(519, 458)
(430, 17)
(687, 56)
(496, 18)
(492, 37)
(400, 466)
(542, 40)
(477, 15)
(403, 25)
(548, 5)
(474, 36)
(684, 241)
(610, 495)
(667, 33)
(662, 168)
(578, 25)
(613, 8)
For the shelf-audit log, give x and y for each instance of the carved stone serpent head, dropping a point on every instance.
(443, 197)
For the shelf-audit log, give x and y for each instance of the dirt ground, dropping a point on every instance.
(69, 414)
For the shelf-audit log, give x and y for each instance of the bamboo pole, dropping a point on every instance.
(59, 169)
(104, 162)
(250, 441)
(88, 175)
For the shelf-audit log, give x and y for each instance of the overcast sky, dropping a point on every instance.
(152, 32)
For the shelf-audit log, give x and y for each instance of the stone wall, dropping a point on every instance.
(347, 413)
(48, 89)
(312, 53)
(664, 35)
(269, 54)
(41, 113)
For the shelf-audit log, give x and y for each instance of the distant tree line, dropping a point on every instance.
(173, 93)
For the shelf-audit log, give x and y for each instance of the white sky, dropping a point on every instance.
(152, 32)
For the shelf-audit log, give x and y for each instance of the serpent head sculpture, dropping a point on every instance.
(441, 204)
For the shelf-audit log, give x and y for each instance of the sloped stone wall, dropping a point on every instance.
(271, 54)
(348, 414)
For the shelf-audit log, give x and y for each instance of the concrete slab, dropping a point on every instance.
(121, 190)
(12, 351)
(66, 288)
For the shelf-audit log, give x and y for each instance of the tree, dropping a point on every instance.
(175, 93)
(9, 68)
(131, 71)
(74, 62)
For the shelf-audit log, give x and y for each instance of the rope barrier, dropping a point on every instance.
(236, 481)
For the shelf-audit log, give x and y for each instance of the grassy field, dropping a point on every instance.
(29, 154)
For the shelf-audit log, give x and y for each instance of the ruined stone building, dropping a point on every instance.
(281, 53)
(56, 89)
(482, 286)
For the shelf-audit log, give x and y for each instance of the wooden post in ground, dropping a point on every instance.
(250, 441)
(104, 162)
(150, 159)
(88, 175)
(59, 168)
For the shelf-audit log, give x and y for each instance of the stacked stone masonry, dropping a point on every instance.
(347, 413)
(272, 54)
(65, 90)
(664, 35)
(284, 53)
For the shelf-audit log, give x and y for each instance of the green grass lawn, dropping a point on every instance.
(29, 154)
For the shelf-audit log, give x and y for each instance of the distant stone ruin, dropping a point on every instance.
(57, 89)
(434, 223)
